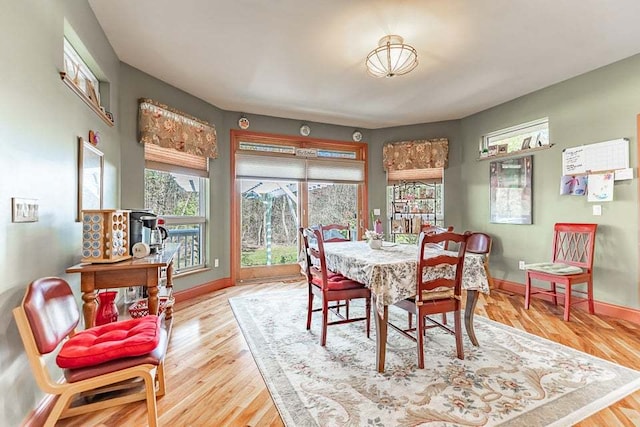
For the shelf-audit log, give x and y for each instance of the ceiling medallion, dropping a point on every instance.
(243, 122)
(305, 130)
(391, 58)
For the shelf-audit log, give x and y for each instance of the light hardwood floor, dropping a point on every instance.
(212, 379)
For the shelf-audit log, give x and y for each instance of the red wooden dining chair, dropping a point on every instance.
(480, 243)
(573, 249)
(432, 229)
(335, 233)
(439, 290)
(330, 287)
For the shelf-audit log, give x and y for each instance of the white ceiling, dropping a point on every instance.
(304, 59)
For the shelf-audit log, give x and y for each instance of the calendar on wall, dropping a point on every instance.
(602, 156)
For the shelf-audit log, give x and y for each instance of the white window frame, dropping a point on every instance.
(200, 220)
(78, 70)
(496, 137)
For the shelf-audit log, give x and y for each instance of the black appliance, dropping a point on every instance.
(138, 221)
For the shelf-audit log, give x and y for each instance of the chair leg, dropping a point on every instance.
(458, 330)
(590, 296)
(160, 379)
(61, 404)
(444, 318)
(489, 277)
(368, 308)
(310, 308)
(567, 301)
(325, 320)
(555, 293)
(527, 292)
(410, 320)
(420, 339)
(346, 303)
(152, 409)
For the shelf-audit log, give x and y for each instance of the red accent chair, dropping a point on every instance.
(439, 295)
(573, 250)
(99, 360)
(480, 243)
(330, 287)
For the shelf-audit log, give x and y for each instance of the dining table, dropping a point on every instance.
(390, 273)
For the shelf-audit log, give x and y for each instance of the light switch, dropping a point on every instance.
(376, 211)
(597, 209)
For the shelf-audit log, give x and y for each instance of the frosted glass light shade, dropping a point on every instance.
(391, 58)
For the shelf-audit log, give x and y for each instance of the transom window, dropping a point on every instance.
(520, 137)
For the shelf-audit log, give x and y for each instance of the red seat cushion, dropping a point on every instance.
(108, 342)
(338, 284)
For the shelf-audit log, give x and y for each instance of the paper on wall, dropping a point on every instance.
(624, 174)
(573, 185)
(600, 187)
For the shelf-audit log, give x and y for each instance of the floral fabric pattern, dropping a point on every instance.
(513, 379)
(390, 272)
(418, 154)
(168, 128)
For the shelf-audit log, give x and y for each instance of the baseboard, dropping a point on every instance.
(203, 289)
(624, 313)
(39, 415)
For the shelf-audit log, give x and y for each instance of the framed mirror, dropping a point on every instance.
(90, 177)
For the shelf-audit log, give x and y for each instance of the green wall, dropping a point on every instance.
(594, 107)
(41, 120)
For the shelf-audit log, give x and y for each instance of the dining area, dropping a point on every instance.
(425, 279)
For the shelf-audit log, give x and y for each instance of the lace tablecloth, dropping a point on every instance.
(390, 272)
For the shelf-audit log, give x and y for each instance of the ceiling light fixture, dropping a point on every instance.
(391, 58)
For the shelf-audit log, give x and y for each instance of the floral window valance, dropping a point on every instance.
(418, 154)
(168, 128)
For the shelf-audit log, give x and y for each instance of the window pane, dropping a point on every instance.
(168, 193)
(191, 243)
(269, 222)
(331, 203)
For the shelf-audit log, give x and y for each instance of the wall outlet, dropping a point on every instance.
(521, 265)
(216, 262)
(376, 212)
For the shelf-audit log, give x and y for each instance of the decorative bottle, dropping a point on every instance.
(107, 308)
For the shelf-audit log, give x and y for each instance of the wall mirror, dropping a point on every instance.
(90, 177)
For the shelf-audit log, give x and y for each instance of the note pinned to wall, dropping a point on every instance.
(573, 185)
(602, 156)
(600, 187)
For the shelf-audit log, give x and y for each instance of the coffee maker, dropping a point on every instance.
(144, 228)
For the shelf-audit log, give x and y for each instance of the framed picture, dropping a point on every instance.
(503, 148)
(90, 177)
(24, 210)
(526, 143)
(510, 190)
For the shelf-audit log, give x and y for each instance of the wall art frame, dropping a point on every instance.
(511, 190)
(90, 177)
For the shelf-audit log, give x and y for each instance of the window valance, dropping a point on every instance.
(418, 154)
(168, 128)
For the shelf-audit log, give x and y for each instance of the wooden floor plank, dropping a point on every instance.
(212, 378)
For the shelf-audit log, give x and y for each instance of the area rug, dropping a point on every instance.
(512, 379)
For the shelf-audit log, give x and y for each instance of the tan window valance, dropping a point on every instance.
(418, 154)
(168, 128)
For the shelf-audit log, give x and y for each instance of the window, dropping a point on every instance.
(180, 199)
(80, 73)
(516, 138)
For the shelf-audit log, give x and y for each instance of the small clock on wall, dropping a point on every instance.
(305, 130)
(357, 136)
(243, 122)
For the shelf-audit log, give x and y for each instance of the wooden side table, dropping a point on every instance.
(134, 272)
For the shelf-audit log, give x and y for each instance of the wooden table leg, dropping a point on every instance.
(89, 304)
(169, 310)
(152, 289)
(381, 336)
(470, 307)
(89, 308)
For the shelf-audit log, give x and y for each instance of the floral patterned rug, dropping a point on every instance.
(512, 379)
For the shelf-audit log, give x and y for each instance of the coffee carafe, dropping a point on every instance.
(157, 238)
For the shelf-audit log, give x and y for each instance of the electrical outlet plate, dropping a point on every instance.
(216, 262)
(521, 265)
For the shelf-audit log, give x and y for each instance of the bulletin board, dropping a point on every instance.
(602, 156)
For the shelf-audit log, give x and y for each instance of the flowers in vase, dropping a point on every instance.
(372, 235)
